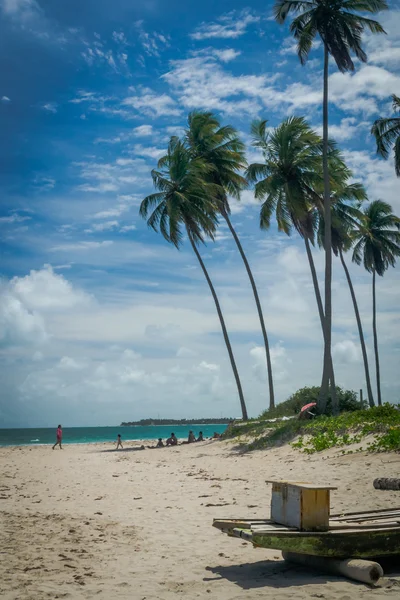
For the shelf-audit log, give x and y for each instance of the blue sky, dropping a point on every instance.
(101, 321)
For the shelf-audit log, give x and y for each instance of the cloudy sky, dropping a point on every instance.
(100, 320)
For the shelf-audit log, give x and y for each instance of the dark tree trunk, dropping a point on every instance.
(224, 331)
(328, 367)
(259, 309)
(360, 331)
(330, 374)
(378, 374)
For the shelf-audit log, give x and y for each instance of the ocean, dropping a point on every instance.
(88, 435)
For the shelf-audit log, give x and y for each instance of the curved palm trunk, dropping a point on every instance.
(259, 309)
(224, 331)
(330, 374)
(328, 367)
(378, 373)
(360, 331)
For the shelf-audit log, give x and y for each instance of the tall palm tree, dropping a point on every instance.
(346, 219)
(222, 149)
(289, 182)
(387, 134)
(377, 246)
(339, 26)
(185, 201)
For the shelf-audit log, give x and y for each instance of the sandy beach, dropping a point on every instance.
(85, 522)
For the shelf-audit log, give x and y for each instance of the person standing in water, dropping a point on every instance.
(59, 437)
(119, 443)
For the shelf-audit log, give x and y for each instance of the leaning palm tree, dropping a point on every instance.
(289, 182)
(347, 218)
(222, 149)
(184, 202)
(339, 26)
(387, 134)
(377, 246)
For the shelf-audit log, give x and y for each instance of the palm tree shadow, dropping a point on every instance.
(276, 574)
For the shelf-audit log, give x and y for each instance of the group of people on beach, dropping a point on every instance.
(171, 441)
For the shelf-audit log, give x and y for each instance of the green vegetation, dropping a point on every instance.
(347, 402)
(352, 426)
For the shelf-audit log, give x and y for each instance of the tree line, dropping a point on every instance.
(303, 181)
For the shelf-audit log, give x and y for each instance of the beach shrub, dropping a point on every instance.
(346, 429)
(348, 401)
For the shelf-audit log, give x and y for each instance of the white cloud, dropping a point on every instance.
(200, 82)
(45, 290)
(50, 107)
(347, 129)
(127, 228)
(346, 351)
(18, 324)
(279, 360)
(183, 352)
(227, 55)
(143, 130)
(147, 102)
(231, 25)
(5, 99)
(14, 218)
(82, 246)
(69, 364)
(119, 37)
(105, 226)
(150, 152)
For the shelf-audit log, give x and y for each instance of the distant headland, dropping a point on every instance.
(148, 422)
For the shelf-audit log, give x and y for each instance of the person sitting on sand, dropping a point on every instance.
(200, 438)
(119, 443)
(191, 437)
(160, 443)
(59, 437)
(172, 441)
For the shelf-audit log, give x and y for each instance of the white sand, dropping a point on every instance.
(84, 523)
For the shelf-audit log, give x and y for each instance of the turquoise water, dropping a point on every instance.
(87, 435)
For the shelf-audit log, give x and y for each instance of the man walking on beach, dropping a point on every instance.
(59, 437)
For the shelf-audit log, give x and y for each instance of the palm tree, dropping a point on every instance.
(222, 149)
(387, 134)
(346, 219)
(339, 27)
(377, 246)
(184, 201)
(289, 183)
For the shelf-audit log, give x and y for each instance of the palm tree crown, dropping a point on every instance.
(184, 197)
(387, 134)
(221, 148)
(378, 240)
(337, 22)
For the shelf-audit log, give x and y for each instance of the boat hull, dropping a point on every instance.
(345, 545)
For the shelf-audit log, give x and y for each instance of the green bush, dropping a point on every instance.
(347, 402)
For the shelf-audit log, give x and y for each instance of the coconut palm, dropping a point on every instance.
(339, 26)
(289, 182)
(387, 134)
(184, 204)
(377, 246)
(222, 149)
(346, 219)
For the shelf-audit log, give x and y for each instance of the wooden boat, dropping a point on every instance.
(365, 534)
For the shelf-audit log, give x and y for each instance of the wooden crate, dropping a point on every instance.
(301, 505)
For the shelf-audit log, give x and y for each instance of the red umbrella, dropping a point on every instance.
(307, 406)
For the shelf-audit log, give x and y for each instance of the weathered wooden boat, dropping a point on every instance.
(365, 534)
